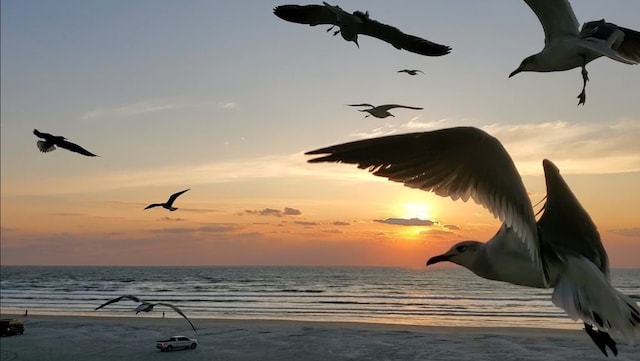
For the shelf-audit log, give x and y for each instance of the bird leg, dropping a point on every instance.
(601, 339)
(585, 78)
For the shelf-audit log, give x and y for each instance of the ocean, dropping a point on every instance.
(431, 297)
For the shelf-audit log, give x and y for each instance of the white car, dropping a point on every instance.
(177, 343)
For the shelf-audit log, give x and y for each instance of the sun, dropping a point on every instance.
(416, 210)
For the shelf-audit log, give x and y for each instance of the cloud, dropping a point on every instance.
(207, 228)
(138, 108)
(341, 223)
(275, 212)
(406, 222)
(451, 226)
(627, 232)
(169, 219)
(306, 223)
(228, 105)
(377, 132)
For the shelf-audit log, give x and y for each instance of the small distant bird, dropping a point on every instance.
(350, 25)
(411, 71)
(145, 306)
(565, 48)
(51, 141)
(169, 204)
(381, 111)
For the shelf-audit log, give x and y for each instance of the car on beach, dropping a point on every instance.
(177, 343)
(11, 326)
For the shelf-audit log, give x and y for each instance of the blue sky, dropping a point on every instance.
(224, 97)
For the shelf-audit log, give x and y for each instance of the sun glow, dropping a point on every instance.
(416, 210)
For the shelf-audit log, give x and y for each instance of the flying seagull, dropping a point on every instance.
(381, 111)
(145, 306)
(565, 48)
(411, 71)
(169, 204)
(51, 141)
(351, 25)
(562, 250)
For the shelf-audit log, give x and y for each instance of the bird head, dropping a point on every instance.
(462, 253)
(528, 64)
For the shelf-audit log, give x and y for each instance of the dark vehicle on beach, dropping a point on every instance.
(177, 343)
(11, 326)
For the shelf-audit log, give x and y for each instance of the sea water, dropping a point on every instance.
(439, 297)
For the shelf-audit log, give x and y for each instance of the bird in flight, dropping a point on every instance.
(561, 250)
(50, 143)
(358, 23)
(381, 111)
(145, 306)
(411, 71)
(565, 48)
(169, 204)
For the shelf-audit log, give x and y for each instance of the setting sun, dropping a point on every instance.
(416, 210)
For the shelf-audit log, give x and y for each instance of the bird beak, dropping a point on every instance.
(515, 71)
(436, 259)
(356, 41)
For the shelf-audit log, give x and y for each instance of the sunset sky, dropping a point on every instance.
(224, 98)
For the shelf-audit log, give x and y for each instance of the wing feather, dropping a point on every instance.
(556, 17)
(306, 14)
(459, 163)
(74, 148)
(117, 299)
(400, 40)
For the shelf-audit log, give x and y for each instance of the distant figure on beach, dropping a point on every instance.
(26, 312)
(162, 314)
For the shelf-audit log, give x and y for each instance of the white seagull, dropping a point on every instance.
(169, 204)
(565, 48)
(350, 25)
(381, 111)
(50, 143)
(562, 250)
(145, 306)
(411, 71)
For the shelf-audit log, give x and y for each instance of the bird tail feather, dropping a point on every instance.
(45, 147)
(585, 293)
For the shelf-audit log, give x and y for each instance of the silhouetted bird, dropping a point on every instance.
(145, 306)
(51, 141)
(411, 71)
(381, 111)
(561, 250)
(565, 48)
(351, 25)
(169, 204)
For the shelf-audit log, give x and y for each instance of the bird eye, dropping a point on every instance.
(461, 249)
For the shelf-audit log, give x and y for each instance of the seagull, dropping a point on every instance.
(561, 250)
(169, 204)
(351, 25)
(381, 111)
(565, 48)
(145, 306)
(51, 141)
(411, 71)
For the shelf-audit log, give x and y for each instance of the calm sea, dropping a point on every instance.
(452, 296)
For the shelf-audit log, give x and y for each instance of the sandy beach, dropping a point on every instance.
(59, 338)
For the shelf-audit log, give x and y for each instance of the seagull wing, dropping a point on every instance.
(361, 105)
(400, 40)
(174, 196)
(179, 311)
(306, 14)
(74, 148)
(154, 205)
(611, 40)
(566, 225)
(460, 163)
(42, 135)
(391, 106)
(556, 16)
(45, 147)
(128, 297)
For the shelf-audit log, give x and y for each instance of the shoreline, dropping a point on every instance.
(108, 338)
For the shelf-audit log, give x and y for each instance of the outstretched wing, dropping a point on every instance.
(611, 40)
(74, 148)
(154, 205)
(174, 196)
(128, 297)
(306, 14)
(45, 147)
(178, 311)
(392, 106)
(399, 39)
(460, 163)
(566, 225)
(361, 105)
(42, 135)
(556, 17)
